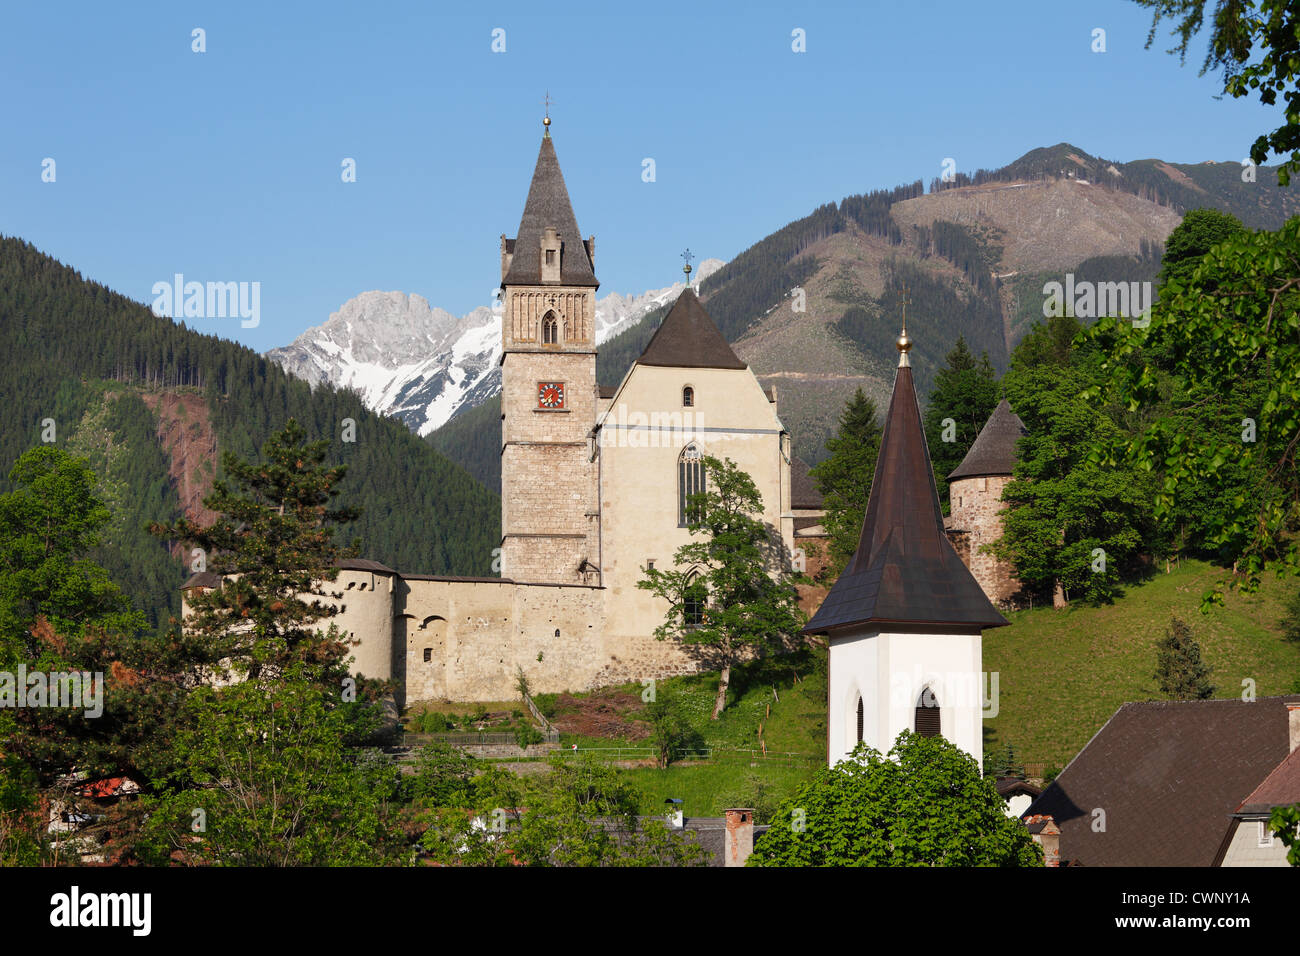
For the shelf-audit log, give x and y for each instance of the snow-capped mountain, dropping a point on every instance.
(421, 364)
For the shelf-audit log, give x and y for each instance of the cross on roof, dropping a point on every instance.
(687, 268)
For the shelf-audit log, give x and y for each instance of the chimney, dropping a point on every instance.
(1293, 724)
(739, 841)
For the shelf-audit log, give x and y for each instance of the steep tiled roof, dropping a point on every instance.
(904, 570)
(994, 449)
(548, 205)
(1280, 788)
(1167, 775)
(687, 338)
(804, 495)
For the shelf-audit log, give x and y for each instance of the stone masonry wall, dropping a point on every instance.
(976, 508)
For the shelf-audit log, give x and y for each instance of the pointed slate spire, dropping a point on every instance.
(688, 338)
(905, 572)
(994, 449)
(548, 205)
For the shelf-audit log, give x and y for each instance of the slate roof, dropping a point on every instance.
(804, 495)
(994, 449)
(904, 570)
(687, 338)
(1168, 775)
(548, 205)
(1280, 788)
(202, 579)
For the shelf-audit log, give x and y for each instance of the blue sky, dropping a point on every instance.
(225, 165)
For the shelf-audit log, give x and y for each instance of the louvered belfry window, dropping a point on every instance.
(928, 720)
(690, 481)
(861, 715)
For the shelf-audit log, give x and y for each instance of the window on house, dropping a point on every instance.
(550, 329)
(550, 257)
(690, 481)
(1265, 835)
(928, 721)
(428, 654)
(688, 397)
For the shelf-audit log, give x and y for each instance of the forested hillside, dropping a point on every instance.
(83, 365)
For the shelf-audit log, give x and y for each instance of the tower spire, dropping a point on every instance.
(687, 268)
(904, 343)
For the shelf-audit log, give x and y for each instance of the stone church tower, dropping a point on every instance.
(904, 621)
(549, 512)
(975, 500)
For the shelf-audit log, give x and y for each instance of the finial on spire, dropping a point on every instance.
(687, 268)
(546, 120)
(904, 343)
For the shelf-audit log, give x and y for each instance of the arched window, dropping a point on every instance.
(693, 599)
(550, 329)
(688, 397)
(690, 481)
(928, 722)
(861, 716)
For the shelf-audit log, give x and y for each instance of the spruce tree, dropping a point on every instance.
(1179, 669)
(965, 391)
(844, 479)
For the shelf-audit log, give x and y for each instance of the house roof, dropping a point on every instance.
(688, 338)
(1280, 788)
(904, 570)
(202, 579)
(804, 495)
(1167, 774)
(994, 450)
(548, 205)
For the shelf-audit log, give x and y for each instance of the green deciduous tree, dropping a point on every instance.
(1199, 232)
(965, 391)
(923, 804)
(1285, 824)
(737, 571)
(1256, 43)
(844, 479)
(1180, 672)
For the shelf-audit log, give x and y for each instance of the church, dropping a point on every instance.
(594, 484)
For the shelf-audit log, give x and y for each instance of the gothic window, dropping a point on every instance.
(688, 397)
(550, 329)
(928, 723)
(690, 481)
(861, 716)
(693, 599)
(428, 654)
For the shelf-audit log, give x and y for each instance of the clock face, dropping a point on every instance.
(550, 394)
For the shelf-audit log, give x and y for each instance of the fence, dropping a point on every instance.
(483, 739)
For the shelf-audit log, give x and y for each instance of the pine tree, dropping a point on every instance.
(1179, 668)
(965, 392)
(844, 479)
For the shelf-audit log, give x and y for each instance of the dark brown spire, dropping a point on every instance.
(904, 571)
(548, 205)
(994, 450)
(687, 338)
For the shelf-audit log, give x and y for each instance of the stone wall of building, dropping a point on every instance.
(976, 509)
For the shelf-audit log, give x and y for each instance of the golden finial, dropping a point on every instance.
(904, 343)
(546, 120)
(687, 268)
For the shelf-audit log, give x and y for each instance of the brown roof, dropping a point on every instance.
(608, 391)
(994, 449)
(1167, 774)
(548, 205)
(904, 570)
(202, 579)
(687, 338)
(1280, 788)
(804, 495)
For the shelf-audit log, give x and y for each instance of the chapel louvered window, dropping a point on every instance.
(690, 481)
(861, 716)
(928, 721)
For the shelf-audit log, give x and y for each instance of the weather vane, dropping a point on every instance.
(687, 268)
(904, 343)
(546, 121)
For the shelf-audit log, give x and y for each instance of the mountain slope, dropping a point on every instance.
(142, 396)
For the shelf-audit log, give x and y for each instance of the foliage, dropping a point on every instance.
(750, 604)
(844, 479)
(1222, 347)
(266, 780)
(1180, 672)
(1240, 31)
(965, 391)
(1199, 232)
(923, 804)
(671, 732)
(275, 535)
(755, 793)
(1285, 824)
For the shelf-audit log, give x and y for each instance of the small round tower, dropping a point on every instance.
(975, 501)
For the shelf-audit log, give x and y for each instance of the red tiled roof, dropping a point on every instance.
(1280, 788)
